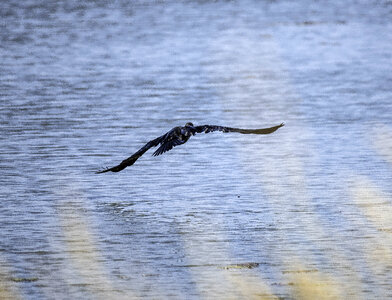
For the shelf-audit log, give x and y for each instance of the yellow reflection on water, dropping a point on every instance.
(382, 141)
(314, 285)
(84, 255)
(214, 281)
(8, 290)
(85, 261)
(376, 206)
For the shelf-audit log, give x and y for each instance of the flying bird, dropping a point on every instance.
(178, 136)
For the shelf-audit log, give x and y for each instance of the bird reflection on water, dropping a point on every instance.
(180, 135)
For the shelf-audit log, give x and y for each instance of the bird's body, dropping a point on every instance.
(180, 135)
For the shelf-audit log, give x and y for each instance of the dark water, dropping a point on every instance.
(85, 84)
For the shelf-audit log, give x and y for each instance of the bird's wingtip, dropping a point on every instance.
(102, 171)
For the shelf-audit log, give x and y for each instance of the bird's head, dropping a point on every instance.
(190, 128)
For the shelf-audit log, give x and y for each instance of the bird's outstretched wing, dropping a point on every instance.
(211, 128)
(131, 160)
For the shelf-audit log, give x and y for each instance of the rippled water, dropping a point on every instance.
(84, 85)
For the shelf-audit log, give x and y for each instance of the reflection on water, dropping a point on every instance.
(84, 85)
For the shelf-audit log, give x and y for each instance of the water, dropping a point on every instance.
(84, 85)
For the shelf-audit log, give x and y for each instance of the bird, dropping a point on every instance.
(180, 135)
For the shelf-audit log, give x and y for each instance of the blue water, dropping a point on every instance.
(85, 85)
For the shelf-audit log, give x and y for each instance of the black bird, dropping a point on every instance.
(180, 135)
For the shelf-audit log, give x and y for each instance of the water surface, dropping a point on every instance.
(84, 85)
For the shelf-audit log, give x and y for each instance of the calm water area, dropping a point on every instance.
(305, 210)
